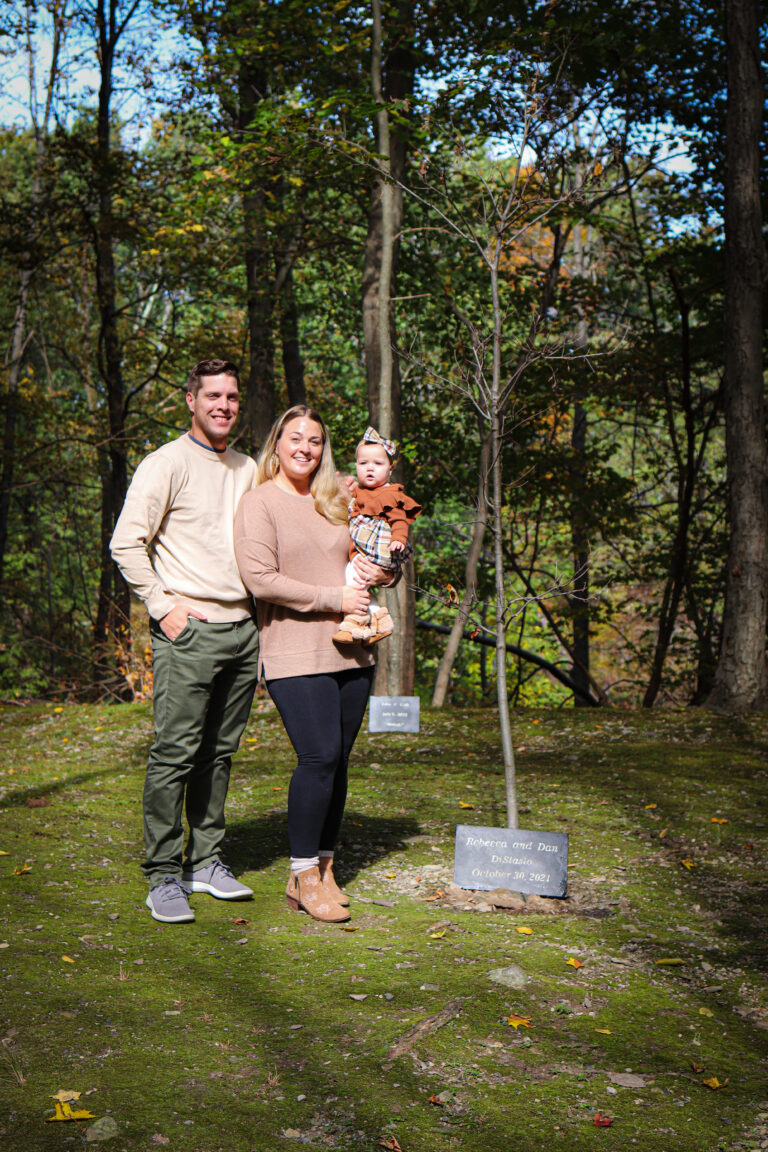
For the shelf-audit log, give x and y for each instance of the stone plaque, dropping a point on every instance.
(393, 714)
(488, 858)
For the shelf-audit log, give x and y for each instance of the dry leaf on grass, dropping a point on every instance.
(600, 1120)
(574, 963)
(519, 1021)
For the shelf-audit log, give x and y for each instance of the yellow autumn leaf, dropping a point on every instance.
(437, 935)
(58, 709)
(391, 875)
(650, 806)
(349, 927)
(687, 863)
(3, 852)
(463, 804)
(524, 931)
(519, 1021)
(66, 1097)
(663, 833)
(714, 1083)
(574, 963)
(65, 1112)
(597, 169)
(670, 960)
(20, 871)
(719, 820)
(706, 1012)
(67, 959)
(604, 1031)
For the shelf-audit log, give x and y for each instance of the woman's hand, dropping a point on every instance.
(354, 599)
(371, 573)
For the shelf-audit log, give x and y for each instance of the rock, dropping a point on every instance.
(627, 1079)
(103, 1129)
(511, 977)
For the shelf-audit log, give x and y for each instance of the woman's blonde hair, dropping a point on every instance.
(324, 486)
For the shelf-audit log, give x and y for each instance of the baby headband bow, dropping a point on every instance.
(371, 436)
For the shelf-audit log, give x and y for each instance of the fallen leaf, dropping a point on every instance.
(663, 833)
(706, 1012)
(349, 927)
(670, 961)
(68, 959)
(518, 1021)
(687, 863)
(37, 802)
(574, 963)
(20, 871)
(601, 1121)
(463, 804)
(714, 1083)
(524, 931)
(718, 820)
(650, 806)
(3, 852)
(391, 1143)
(391, 875)
(65, 1112)
(604, 1031)
(436, 1101)
(158, 1139)
(65, 1097)
(697, 1067)
(240, 920)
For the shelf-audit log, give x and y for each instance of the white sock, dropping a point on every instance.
(303, 863)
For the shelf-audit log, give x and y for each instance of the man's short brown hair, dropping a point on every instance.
(211, 368)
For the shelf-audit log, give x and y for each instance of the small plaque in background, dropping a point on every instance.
(393, 714)
(488, 858)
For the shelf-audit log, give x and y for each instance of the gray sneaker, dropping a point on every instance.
(167, 901)
(216, 879)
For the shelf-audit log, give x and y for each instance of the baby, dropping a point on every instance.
(379, 516)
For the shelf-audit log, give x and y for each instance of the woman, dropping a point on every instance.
(292, 545)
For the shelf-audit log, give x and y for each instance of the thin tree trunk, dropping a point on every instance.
(579, 597)
(114, 604)
(396, 665)
(259, 407)
(502, 696)
(445, 668)
(293, 365)
(741, 680)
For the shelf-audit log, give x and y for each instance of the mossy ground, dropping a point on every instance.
(222, 1036)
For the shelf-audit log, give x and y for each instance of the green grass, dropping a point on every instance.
(227, 1037)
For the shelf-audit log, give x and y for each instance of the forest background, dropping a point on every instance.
(525, 239)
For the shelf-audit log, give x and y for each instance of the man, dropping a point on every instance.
(174, 545)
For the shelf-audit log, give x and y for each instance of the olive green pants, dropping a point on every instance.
(203, 689)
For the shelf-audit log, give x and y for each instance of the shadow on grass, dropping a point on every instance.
(257, 842)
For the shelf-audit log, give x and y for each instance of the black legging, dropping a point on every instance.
(322, 715)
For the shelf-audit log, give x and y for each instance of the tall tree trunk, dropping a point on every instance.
(259, 408)
(11, 412)
(395, 668)
(741, 680)
(579, 597)
(114, 604)
(293, 365)
(445, 668)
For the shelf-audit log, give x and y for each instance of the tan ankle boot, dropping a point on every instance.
(305, 893)
(383, 625)
(329, 882)
(355, 627)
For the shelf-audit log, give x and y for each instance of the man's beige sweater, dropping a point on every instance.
(292, 559)
(174, 541)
